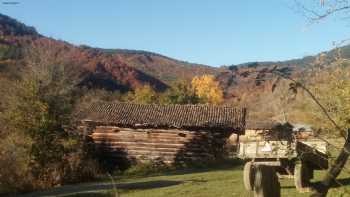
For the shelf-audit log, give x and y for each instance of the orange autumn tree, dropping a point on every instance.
(207, 89)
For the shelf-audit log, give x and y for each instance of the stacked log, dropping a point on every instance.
(167, 145)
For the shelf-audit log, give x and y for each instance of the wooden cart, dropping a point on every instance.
(271, 157)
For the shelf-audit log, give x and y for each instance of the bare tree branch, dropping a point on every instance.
(323, 10)
(313, 97)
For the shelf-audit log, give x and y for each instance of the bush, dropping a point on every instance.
(80, 165)
(40, 148)
(14, 163)
(20, 173)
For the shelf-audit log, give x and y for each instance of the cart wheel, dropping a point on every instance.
(276, 186)
(302, 176)
(266, 182)
(248, 176)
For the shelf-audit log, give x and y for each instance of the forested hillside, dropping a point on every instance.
(126, 71)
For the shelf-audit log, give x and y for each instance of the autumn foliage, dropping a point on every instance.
(207, 89)
(202, 90)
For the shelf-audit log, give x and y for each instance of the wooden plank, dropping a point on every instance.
(123, 133)
(161, 131)
(159, 148)
(162, 157)
(154, 144)
(140, 144)
(131, 151)
(130, 138)
(119, 137)
(313, 156)
(167, 157)
(154, 147)
(142, 137)
(267, 149)
(148, 144)
(187, 153)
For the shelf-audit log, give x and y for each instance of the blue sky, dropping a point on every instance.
(213, 32)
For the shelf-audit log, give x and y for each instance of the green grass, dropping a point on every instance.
(2, 190)
(215, 182)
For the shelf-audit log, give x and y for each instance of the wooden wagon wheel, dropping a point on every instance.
(302, 175)
(276, 186)
(248, 176)
(266, 182)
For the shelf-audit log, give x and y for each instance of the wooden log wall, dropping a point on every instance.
(166, 145)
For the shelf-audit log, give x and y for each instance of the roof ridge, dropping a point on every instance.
(171, 116)
(163, 105)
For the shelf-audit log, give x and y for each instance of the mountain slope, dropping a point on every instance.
(9, 26)
(20, 43)
(123, 70)
(100, 68)
(162, 67)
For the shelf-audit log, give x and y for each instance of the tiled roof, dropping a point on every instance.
(169, 116)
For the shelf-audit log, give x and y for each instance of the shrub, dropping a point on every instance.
(14, 163)
(39, 149)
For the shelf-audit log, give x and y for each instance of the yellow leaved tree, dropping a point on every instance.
(143, 95)
(207, 89)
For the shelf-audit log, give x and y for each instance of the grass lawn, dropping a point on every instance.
(215, 182)
(2, 190)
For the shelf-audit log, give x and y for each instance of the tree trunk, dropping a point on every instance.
(335, 170)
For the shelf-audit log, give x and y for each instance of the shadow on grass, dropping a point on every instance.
(339, 183)
(92, 194)
(101, 188)
(317, 185)
(135, 186)
(345, 181)
(225, 165)
(96, 188)
(217, 166)
(148, 184)
(288, 187)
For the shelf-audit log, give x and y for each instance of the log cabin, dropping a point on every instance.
(166, 133)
